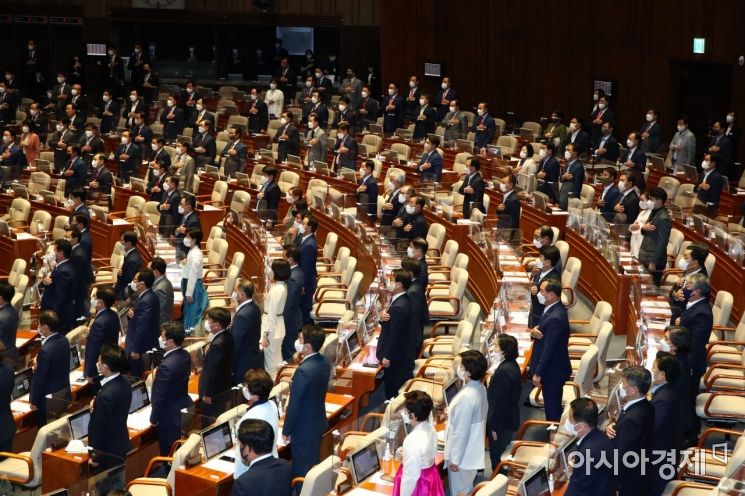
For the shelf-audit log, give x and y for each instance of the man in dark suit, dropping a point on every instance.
(656, 232)
(600, 116)
(235, 153)
(83, 272)
(588, 476)
(77, 120)
(169, 207)
(130, 157)
(548, 170)
(142, 135)
(78, 198)
(11, 154)
(626, 209)
(286, 78)
(610, 195)
(395, 199)
(544, 268)
(509, 210)
(722, 144)
(411, 223)
(258, 113)
(316, 106)
(91, 143)
(633, 431)
(346, 115)
(61, 93)
(267, 476)
(170, 391)
(324, 86)
(7, 382)
(417, 249)
(8, 322)
(483, 128)
(430, 164)
(635, 160)
(393, 106)
(709, 190)
(368, 107)
(606, 148)
(60, 287)
(150, 84)
(503, 394)
(172, 119)
(108, 112)
(308, 256)
(443, 98)
(143, 330)
(246, 331)
(472, 188)
(163, 289)
(188, 101)
(102, 331)
(59, 141)
(292, 315)
(692, 262)
(81, 223)
(424, 116)
(133, 108)
(136, 64)
(573, 178)
(107, 430)
(159, 155)
(412, 100)
(52, 366)
(419, 310)
(287, 137)
(577, 136)
(130, 266)
(345, 149)
(101, 178)
(37, 121)
(395, 324)
(8, 104)
(267, 199)
(75, 170)
(668, 416)
(204, 145)
(217, 373)
(367, 191)
(550, 361)
(189, 220)
(305, 417)
(651, 132)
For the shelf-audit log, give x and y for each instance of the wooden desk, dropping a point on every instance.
(729, 204)
(202, 480)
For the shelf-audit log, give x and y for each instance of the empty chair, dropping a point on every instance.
(449, 305)
(403, 150)
(440, 271)
(670, 185)
(604, 336)
(329, 248)
(24, 468)
(587, 195)
(40, 223)
(16, 271)
(151, 213)
(337, 266)
(507, 144)
(38, 182)
(495, 487)
(435, 238)
(569, 278)
(372, 143)
(332, 309)
(187, 452)
(219, 194)
(730, 349)
(602, 313)
(17, 213)
(288, 180)
(534, 127)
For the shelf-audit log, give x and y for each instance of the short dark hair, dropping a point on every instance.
(630, 177)
(281, 269)
(546, 232)
(83, 219)
(75, 233)
(420, 244)
(50, 319)
(190, 200)
(369, 164)
(64, 246)
(435, 140)
(291, 251)
(475, 364)
(658, 193)
(475, 163)
(6, 291)
(270, 171)
(196, 234)
(419, 403)
(343, 126)
(699, 253)
(219, 315)
(680, 338)
(247, 287)
(312, 222)
(114, 357)
(611, 171)
(314, 335)
(585, 410)
(130, 237)
(403, 276)
(257, 434)
(669, 365)
(174, 330)
(79, 194)
(412, 265)
(639, 377)
(553, 285)
(237, 129)
(158, 264)
(259, 382)
(529, 149)
(107, 295)
(508, 345)
(550, 253)
(146, 277)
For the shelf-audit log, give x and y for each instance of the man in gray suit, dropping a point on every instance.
(455, 123)
(683, 145)
(183, 166)
(315, 140)
(351, 87)
(163, 289)
(656, 232)
(293, 317)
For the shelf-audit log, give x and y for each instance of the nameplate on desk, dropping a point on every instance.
(119, 222)
(558, 211)
(24, 236)
(210, 208)
(331, 408)
(360, 367)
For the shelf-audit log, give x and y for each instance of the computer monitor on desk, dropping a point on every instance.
(78, 423)
(365, 462)
(450, 391)
(140, 398)
(375, 129)
(216, 440)
(535, 483)
(74, 358)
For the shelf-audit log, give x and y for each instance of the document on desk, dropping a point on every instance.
(223, 466)
(20, 406)
(139, 420)
(377, 478)
(331, 408)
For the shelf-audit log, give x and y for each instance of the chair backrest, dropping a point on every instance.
(586, 371)
(722, 308)
(21, 284)
(16, 271)
(507, 144)
(230, 278)
(76, 335)
(329, 349)
(670, 185)
(495, 487)
(463, 337)
(287, 180)
(587, 195)
(218, 252)
(38, 181)
(151, 212)
(341, 259)
(134, 207)
(19, 211)
(240, 201)
(458, 282)
(316, 186)
(219, 192)
(329, 246)
(319, 480)
(436, 236)
(570, 275)
(737, 458)
(348, 272)
(354, 287)
(533, 126)
(605, 335)
(461, 261)
(45, 437)
(237, 261)
(601, 314)
(449, 253)
(674, 242)
(373, 141)
(403, 150)
(183, 454)
(563, 247)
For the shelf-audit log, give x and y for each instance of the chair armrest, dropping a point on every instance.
(571, 293)
(297, 480)
(715, 430)
(154, 461)
(448, 299)
(533, 423)
(723, 328)
(326, 288)
(683, 485)
(213, 282)
(710, 346)
(435, 251)
(580, 322)
(711, 399)
(368, 418)
(211, 265)
(519, 444)
(669, 272)
(29, 463)
(324, 261)
(335, 275)
(423, 369)
(106, 267)
(442, 323)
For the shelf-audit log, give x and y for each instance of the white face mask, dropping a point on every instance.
(314, 100)
(125, 140)
(272, 86)
(650, 204)
(410, 209)
(88, 133)
(299, 346)
(309, 84)
(422, 102)
(318, 75)
(705, 165)
(569, 427)
(629, 143)
(664, 346)
(643, 204)
(161, 343)
(171, 103)
(25, 129)
(180, 209)
(542, 153)
(452, 109)
(444, 86)
(188, 242)
(391, 91)
(537, 243)
(364, 94)
(622, 185)
(595, 97)
(730, 119)
(498, 357)
(480, 112)
(34, 112)
(156, 172)
(342, 107)
(541, 298)
(538, 263)
(154, 146)
(301, 229)
(410, 252)
(60, 128)
(289, 198)
(60, 80)
(234, 296)
(523, 155)
(94, 300)
(681, 129)
(461, 371)
(601, 106)
(206, 326)
(572, 127)
(503, 187)
(246, 393)
(568, 155)
(401, 198)
(106, 98)
(683, 264)
(73, 92)
(98, 368)
(133, 285)
(133, 98)
(622, 392)
(199, 107)
(649, 117)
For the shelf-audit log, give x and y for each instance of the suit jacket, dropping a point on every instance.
(217, 373)
(612, 196)
(536, 309)
(142, 131)
(52, 373)
(170, 391)
(143, 330)
(552, 352)
(419, 226)
(246, 331)
(270, 202)
(171, 217)
(104, 330)
(485, 136)
(347, 116)
(393, 119)
(581, 141)
(370, 105)
(597, 481)
(235, 163)
(163, 289)
(418, 303)
(698, 319)
(8, 330)
(172, 119)
(426, 126)
(258, 122)
(687, 141)
(654, 244)
(127, 108)
(96, 144)
(131, 265)
(388, 215)
(107, 430)
(449, 94)
(7, 424)
(153, 181)
(104, 178)
(611, 148)
(630, 203)
(290, 146)
(321, 112)
(716, 184)
(434, 159)
(577, 169)
(308, 257)
(268, 477)
(503, 394)
(411, 108)
(668, 415)
(202, 115)
(134, 152)
(454, 131)
(394, 335)
(348, 159)
(317, 151)
(305, 417)
(509, 218)
(57, 295)
(473, 200)
(108, 122)
(60, 152)
(369, 197)
(207, 142)
(654, 142)
(726, 152)
(293, 317)
(161, 156)
(79, 171)
(634, 432)
(186, 173)
(189, 222)
(83, 269)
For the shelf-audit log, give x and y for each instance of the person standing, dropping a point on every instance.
(472, 188)
(142, 331)
(656, 232)
(104, 330)
(292, 316)
(588, 479)
(8, 322)
(7, 381)
(272, 320)
(216, 377)
(195, 295)
(246, 330)
(503, 394)
(395, 322)
(256, 388)
(51, 366)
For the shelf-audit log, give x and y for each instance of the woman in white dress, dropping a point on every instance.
(418, 475)
(275, 100)
(195, 296)
(256, 388)
(636, 228)
(272, 320)
(466, 429)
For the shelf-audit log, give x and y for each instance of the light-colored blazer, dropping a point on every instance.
(687, 152)
(185, 170)
(272, 320)
(466, 428)
(455, 131)
(317, 151)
